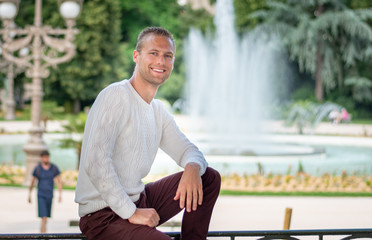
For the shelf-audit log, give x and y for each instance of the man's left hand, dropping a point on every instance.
(190, 188)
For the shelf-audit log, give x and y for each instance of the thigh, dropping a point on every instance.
(160, 196)
(105, 224)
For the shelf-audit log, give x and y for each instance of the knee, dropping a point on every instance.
(212, 177)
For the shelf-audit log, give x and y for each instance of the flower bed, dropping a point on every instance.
(297, 183)
(301, 182)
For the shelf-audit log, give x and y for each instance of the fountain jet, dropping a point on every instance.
(232, 82)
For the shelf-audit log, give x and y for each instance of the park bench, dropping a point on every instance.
(343, 234)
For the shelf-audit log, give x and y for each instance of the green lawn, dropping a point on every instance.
(245, 193)
(362, 121)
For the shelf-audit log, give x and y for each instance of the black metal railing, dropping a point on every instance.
(343, 234)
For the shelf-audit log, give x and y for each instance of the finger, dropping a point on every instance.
(195, 200)
(151, 223)
(177, 195)
(157, 217)
(189, 199)
(200, 194)
(154, 223)
(152, 219)
(182, 200)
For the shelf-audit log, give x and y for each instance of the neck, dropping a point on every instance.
(146, 90)
(45, 164)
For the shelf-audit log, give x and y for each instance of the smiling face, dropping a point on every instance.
(154, 62)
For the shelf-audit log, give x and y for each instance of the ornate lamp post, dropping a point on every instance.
(47, 48)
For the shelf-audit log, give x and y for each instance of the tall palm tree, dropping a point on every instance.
(325, 37)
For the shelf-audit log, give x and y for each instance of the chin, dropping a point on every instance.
(159, 81)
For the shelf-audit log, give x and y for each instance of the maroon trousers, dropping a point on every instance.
(105, 224)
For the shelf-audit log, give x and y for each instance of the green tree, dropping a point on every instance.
(325, 37)
(243, 9)
(98, 60)
(140, 14)
(361, 87)
(354, 4)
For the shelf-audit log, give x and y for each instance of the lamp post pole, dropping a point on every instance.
(10, 71)
(10, 111)
(35, 144)
(45, 51)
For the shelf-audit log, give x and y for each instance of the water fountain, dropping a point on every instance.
(232, 82)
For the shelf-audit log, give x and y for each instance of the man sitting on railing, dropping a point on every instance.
(124, 129)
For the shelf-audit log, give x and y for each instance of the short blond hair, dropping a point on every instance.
(159, 31)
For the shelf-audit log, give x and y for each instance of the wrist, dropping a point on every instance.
(192, 166)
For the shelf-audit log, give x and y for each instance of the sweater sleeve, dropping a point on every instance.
(104, 122)
(178, 146)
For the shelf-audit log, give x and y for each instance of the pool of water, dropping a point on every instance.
(11, 151)
(353, 155)
(335, 160)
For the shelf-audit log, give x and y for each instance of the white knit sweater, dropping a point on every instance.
(121, 138)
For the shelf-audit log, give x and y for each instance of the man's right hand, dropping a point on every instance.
(145, 216)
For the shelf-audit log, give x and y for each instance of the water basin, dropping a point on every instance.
(283, 154)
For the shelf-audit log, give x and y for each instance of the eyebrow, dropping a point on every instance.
(156, 50)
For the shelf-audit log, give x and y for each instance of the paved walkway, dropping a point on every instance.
(231, 213)
(25, 126)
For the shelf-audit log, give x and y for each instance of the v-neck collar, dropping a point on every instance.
(137, 96)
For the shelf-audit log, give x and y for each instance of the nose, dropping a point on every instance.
(160, 60)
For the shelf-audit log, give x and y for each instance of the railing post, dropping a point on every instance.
(287, 218)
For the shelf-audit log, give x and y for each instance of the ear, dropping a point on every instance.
(135, 56)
